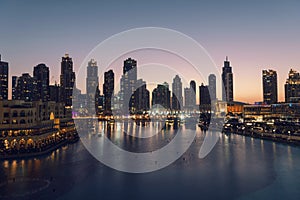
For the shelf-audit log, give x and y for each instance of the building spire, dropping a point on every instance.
(226, 58)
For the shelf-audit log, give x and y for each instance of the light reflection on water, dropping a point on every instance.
(238, 166)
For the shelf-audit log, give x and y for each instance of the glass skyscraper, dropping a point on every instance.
(292, 87)
(67, 80)
(269, 78)
(41, 75)
(3, 80)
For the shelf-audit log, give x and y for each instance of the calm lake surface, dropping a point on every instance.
(238, 167)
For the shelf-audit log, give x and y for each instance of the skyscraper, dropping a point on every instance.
(79, 101)
(128, 84)
(212, 86)
(204, 95)
(26, 88)
(67, 80)
(108, 90)
(41, 75)
(227, 79)
(190, 96)
(292, 87)
(92, 82)
(187, 97)
(177, 99)
(269, 78)
(3, 80)
(99, 102)
(141, 99)
(161, 96)
(193, 93)
(54, 92)
(14, 84)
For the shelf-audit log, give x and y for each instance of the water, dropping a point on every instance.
(238, 167)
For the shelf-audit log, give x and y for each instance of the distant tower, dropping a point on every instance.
(193, 93)
(41, 75)
(3, 80)
(92, 82)
(67, 80)
(108, 90)
(141, 97)
(26, 88)
(177, 99)
(269, 78)
(227, 79)
(161, 96)
(292, 87)
(54, 92)
(14, 87)
(204, 95)
(190, 96)
(187, 97)
(128, 84)
(212, 86)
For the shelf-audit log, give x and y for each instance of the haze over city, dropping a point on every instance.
(255, 35)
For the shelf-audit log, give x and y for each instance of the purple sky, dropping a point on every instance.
(255, 35)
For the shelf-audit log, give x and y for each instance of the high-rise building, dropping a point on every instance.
(212, 86)
(177, 99)
(187, 97)
(193, 93)
(193, 86)
(108, 90)
(190, 96)
(269, 79)
(128, 84)
(3, 80)
(67, 80)
(227, 79)
(92, 82)
(204, 95)
(26, 88)
(161, 96)
(41, 75)
(79, 102)
(54, 92)
(141, 97)
(292, 87)
(14, 84)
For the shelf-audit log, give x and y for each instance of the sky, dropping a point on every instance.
(255, 35)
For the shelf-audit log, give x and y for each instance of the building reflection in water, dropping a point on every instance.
(242, 162)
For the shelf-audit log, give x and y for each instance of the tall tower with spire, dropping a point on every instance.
(227, 79)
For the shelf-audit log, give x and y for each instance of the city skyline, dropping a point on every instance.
(43, 68)
(136, 99)
(31, 37)
(237, 97)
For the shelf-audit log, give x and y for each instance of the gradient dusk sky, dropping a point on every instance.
(255, 35)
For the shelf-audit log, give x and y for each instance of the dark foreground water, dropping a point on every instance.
(238, 167)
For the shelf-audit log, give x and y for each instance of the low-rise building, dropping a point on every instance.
(282, 111)
(27, 127)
